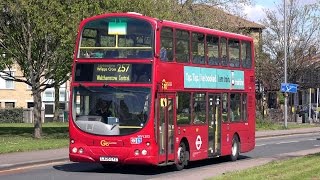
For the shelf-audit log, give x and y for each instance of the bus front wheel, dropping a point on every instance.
(183, 157)
(235, 148)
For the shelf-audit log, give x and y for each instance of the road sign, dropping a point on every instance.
(289, 88)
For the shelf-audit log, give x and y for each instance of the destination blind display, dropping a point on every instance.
(113, 72)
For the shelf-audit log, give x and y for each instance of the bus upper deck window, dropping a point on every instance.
(116, 38)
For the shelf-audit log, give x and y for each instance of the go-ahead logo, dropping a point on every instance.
(106, 143)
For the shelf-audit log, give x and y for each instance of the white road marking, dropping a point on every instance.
(30, 166)
(286, 142)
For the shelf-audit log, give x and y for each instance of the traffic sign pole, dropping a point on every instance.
(285, 64)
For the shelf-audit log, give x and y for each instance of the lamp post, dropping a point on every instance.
(285, 65)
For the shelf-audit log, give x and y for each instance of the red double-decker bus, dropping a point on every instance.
(157, 92)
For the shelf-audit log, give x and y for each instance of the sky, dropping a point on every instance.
(256, 13)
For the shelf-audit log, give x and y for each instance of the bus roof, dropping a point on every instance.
(172, 24)
(205, 30)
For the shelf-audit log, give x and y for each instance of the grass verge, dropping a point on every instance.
(297, 168)
(18, 137)
(269, 125)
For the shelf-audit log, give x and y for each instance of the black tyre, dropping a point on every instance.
(183, 157)
(235, 148)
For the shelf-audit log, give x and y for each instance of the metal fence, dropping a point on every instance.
(28, 116)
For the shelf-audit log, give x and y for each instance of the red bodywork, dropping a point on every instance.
(96, 146)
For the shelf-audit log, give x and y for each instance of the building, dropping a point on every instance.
(18, 94)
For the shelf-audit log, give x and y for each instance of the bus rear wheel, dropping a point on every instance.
(182, 157)
(235, 148)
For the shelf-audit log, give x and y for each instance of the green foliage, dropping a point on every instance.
(281, 97)
(11, 115)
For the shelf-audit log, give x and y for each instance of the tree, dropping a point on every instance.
(302, 38)
(38, 36)
(212, 13)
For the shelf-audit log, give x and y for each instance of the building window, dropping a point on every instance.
(48, 94)
(9, 84)
(30, 104)
(9, 105)
(7, 80)
(48, 109)
(62, 95)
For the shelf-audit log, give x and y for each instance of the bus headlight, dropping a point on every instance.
(136, 152)
(144, 152)
(74, 150)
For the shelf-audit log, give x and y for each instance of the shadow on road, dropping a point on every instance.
(137, 169)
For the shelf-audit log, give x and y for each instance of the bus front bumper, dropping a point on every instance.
(122, 155)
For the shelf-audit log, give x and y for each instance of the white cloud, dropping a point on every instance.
(254, 13)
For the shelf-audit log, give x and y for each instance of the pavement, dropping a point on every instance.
(22, 159)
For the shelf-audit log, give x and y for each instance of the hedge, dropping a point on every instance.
(14, 115)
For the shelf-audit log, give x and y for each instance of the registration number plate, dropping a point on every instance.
(109, 159)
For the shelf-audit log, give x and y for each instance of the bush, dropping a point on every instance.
(14, 115)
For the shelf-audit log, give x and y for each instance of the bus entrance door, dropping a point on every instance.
(214, 124)
(166, 115)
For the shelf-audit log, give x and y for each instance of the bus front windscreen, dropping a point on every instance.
(110, 110)
(116, 37)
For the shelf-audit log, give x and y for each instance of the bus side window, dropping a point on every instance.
(183, 108)
(166, 36)
(197, 44)
(246, 55)
(213, 50)
(234, 53)
(199, 108)
(182, 47)
(235, 105)
(224, 55)
(225, 107)
(244, 108)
